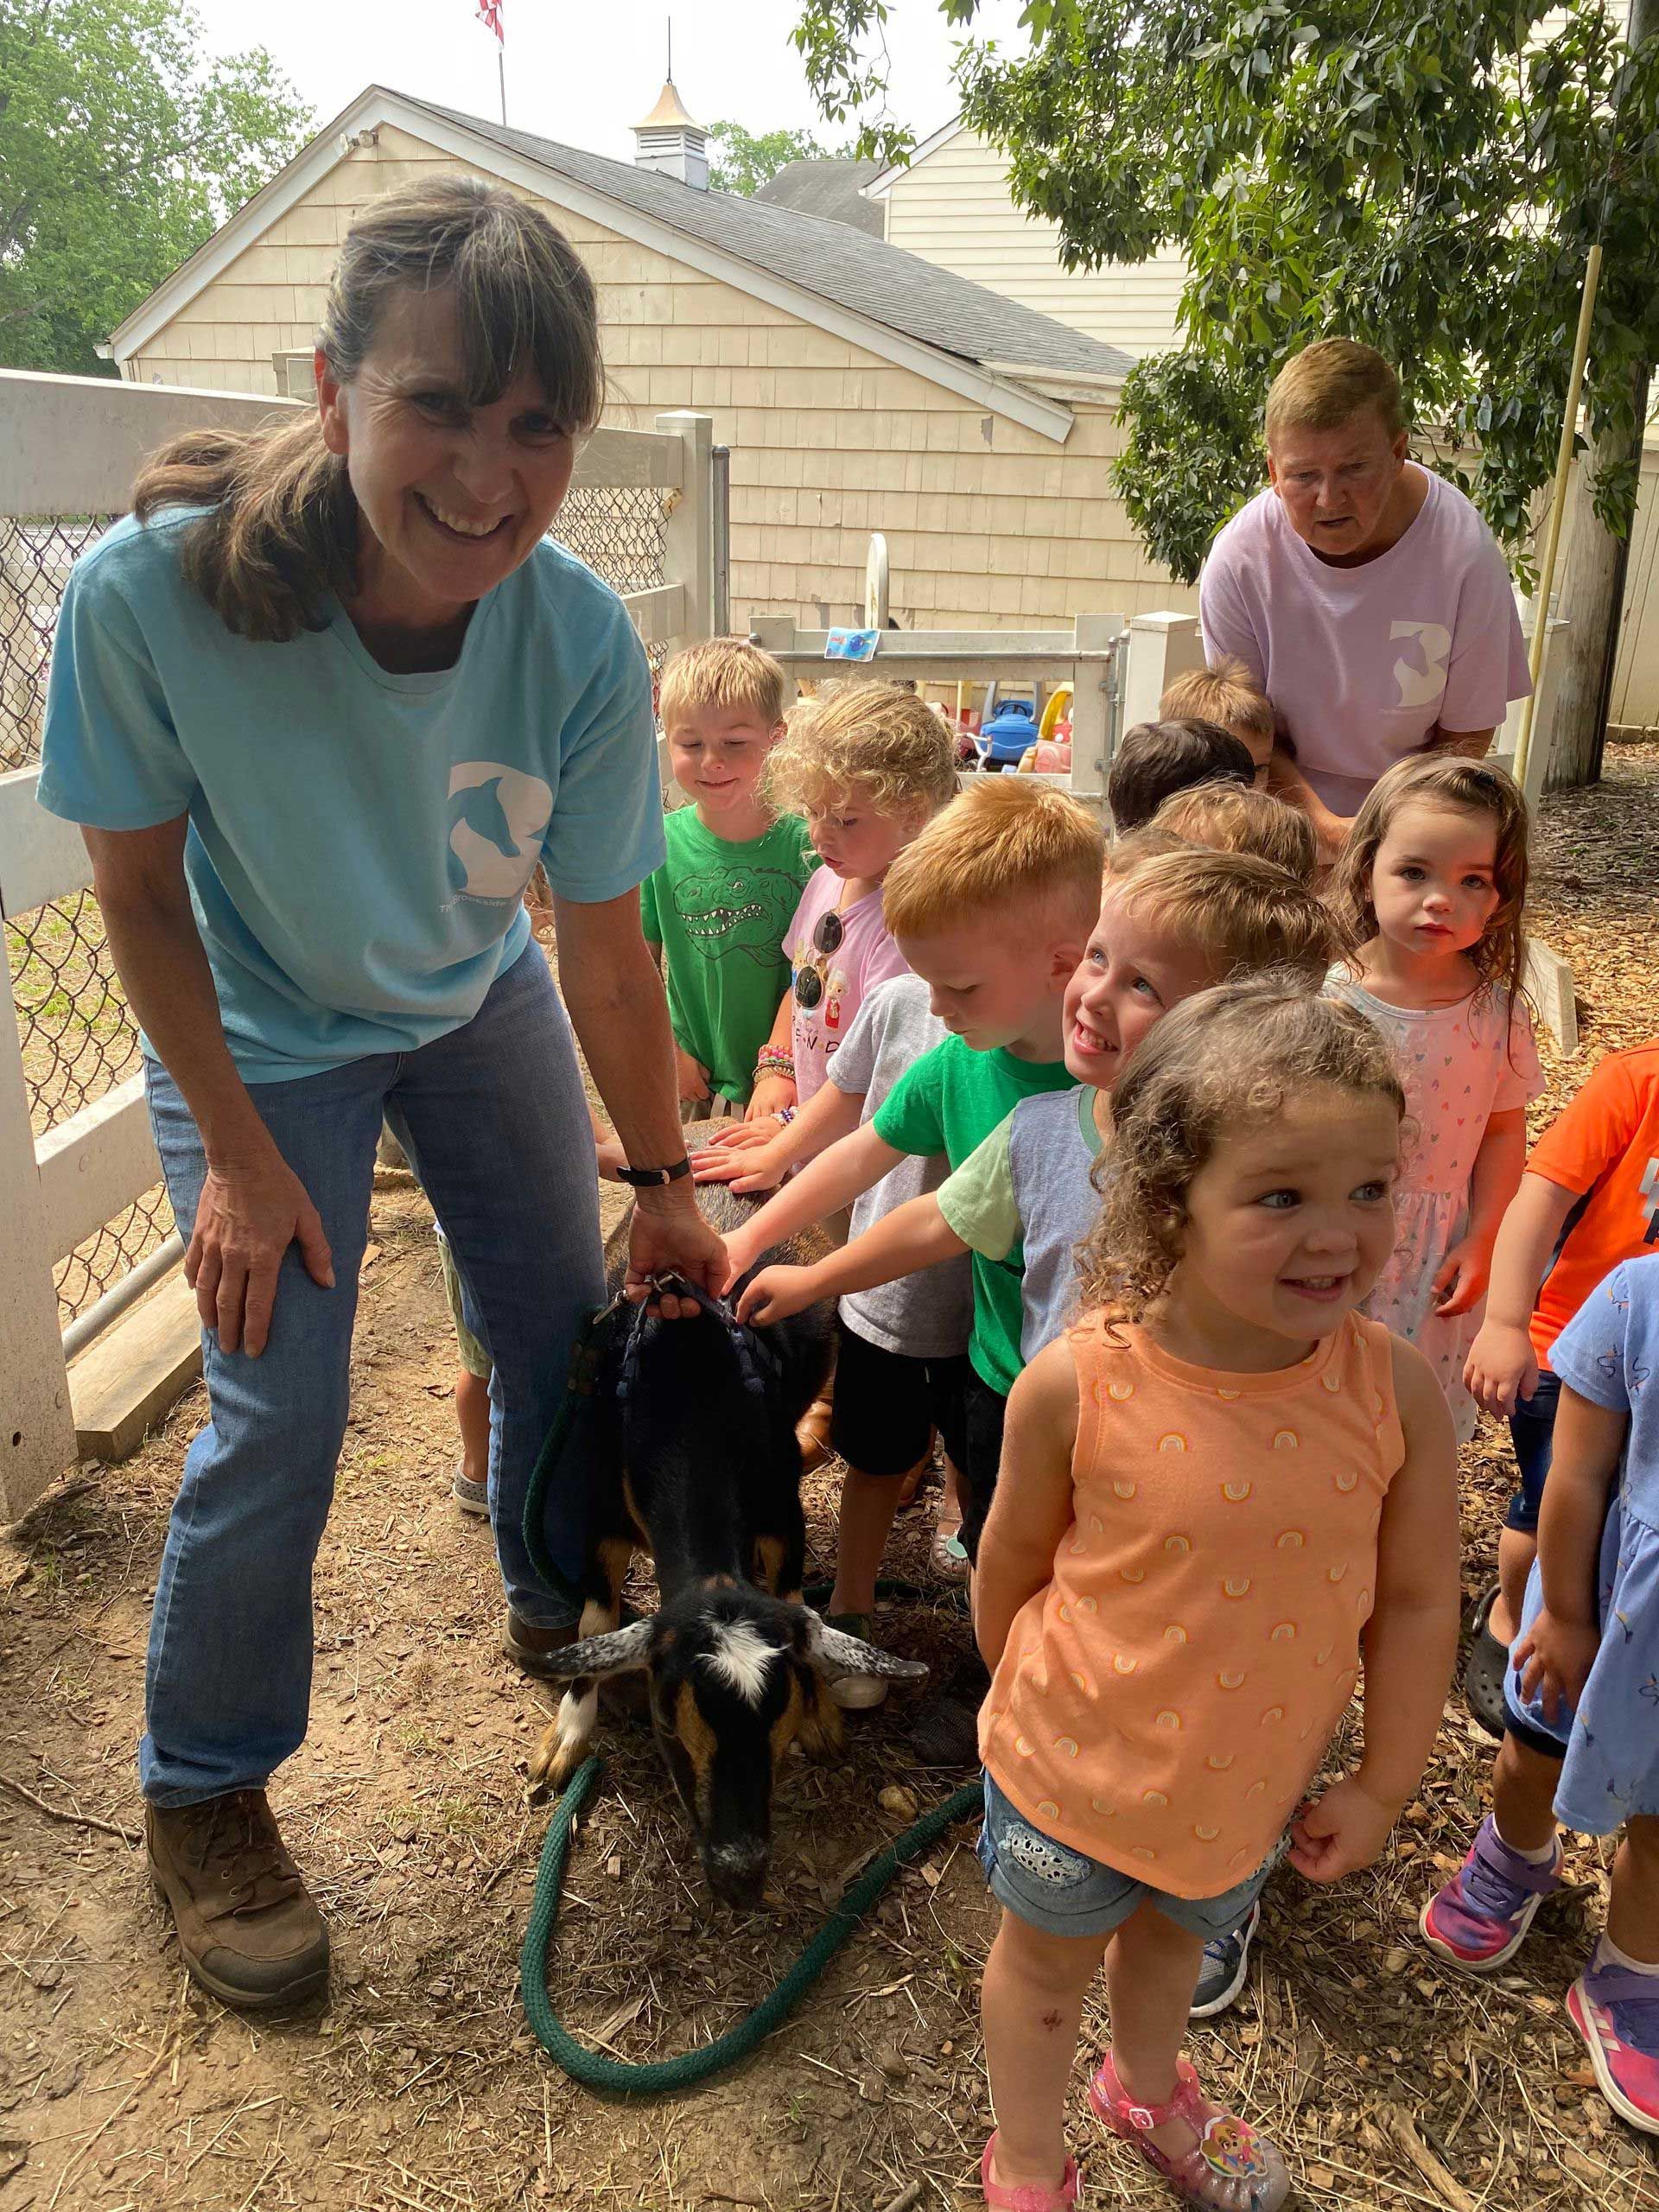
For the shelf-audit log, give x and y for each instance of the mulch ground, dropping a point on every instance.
(1392, 2082)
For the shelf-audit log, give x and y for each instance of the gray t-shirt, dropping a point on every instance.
(929, 1314)
(1025, 1196)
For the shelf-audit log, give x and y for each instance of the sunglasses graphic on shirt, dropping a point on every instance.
(826, 942)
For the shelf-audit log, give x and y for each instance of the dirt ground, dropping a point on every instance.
(1392, 2082)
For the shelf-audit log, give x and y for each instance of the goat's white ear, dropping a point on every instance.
(833, 1652)
(616, 1653)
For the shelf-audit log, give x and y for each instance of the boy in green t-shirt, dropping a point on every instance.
(717, 908)
(992, 906)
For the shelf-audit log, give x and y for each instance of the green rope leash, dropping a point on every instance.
(657, 2077)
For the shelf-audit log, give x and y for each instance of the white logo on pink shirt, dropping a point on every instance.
(1422, 687)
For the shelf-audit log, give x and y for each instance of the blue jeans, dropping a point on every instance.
(1056, 1890)
(1532, 1432)
(494, 1120)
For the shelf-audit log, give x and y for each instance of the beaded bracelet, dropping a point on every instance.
(772, 1059)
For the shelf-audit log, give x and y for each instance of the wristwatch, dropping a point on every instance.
(653, 1178)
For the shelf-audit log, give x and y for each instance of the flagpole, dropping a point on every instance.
(501, 72)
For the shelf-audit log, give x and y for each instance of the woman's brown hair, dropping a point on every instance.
(1499, 958)
(1221, 1062)
(281, 526)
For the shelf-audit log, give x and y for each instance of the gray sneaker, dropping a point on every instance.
(470, 1496)
(1225, 1968)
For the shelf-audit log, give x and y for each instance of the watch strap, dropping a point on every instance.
(654, 1178)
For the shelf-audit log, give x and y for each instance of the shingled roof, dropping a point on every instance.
(831, 188)
(863, 274)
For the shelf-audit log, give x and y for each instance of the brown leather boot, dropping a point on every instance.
(625, 1696)
(527, 1646)
(247, 1929)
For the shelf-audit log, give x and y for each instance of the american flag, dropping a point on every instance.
(489, 11)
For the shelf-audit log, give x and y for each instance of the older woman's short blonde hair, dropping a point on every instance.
(1327, 384)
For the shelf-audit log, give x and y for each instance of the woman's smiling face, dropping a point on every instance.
(452, 498)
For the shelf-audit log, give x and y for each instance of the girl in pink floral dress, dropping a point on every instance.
(1430, 887)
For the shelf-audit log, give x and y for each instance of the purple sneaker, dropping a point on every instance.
(1479, 1919)
(1617, 2012)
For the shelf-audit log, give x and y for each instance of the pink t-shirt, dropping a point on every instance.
(1361, 663)
(867, 955)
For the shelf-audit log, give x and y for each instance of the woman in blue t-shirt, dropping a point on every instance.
(321, 705)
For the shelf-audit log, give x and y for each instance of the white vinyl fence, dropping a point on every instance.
(84, 1223)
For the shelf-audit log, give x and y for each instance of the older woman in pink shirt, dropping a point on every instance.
(1365, 593)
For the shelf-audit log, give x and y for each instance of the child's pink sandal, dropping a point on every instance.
(1229, 2169)
(1030, 2196)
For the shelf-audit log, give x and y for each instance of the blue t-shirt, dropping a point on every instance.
(360, 842)
(1608, 1353)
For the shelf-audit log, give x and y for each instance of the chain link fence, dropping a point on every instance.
(77, 1037)
(621, 531)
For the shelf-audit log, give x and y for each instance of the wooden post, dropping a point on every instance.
(689, 557)
(1592, 590)
(1557, 507)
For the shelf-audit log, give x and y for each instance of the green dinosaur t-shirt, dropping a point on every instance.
(719, 910)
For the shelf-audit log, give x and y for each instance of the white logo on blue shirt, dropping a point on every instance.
(498, 817)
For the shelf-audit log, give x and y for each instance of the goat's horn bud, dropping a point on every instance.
(832, 1651)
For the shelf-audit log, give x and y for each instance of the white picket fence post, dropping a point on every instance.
(1161, 648)
(37, 1437)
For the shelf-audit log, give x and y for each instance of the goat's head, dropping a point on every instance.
(736, 1676)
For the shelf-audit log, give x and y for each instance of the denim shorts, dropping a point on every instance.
(1053, 1888)
(1532, 1432)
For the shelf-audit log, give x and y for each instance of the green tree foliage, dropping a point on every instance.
(121, 150)
(1427, 177)
(742, 161)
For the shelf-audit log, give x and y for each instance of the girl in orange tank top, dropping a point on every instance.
(1209, 1490)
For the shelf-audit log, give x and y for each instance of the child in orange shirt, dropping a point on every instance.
(1211, 1488)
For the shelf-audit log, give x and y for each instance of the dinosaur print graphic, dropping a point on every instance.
(732, 913)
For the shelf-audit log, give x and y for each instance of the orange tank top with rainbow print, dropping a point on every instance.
(1162, 1704)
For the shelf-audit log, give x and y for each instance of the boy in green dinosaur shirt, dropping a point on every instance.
(717, 908)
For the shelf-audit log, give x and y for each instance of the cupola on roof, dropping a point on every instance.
(669, 113)
(671, 143)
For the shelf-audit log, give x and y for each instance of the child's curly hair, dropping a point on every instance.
(1499, 959)
(885, 743)
(1224, 1061)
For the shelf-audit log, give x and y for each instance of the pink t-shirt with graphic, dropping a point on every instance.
(1361, 663)
(867, 955)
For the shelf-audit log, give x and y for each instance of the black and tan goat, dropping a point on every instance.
(702, 1470)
